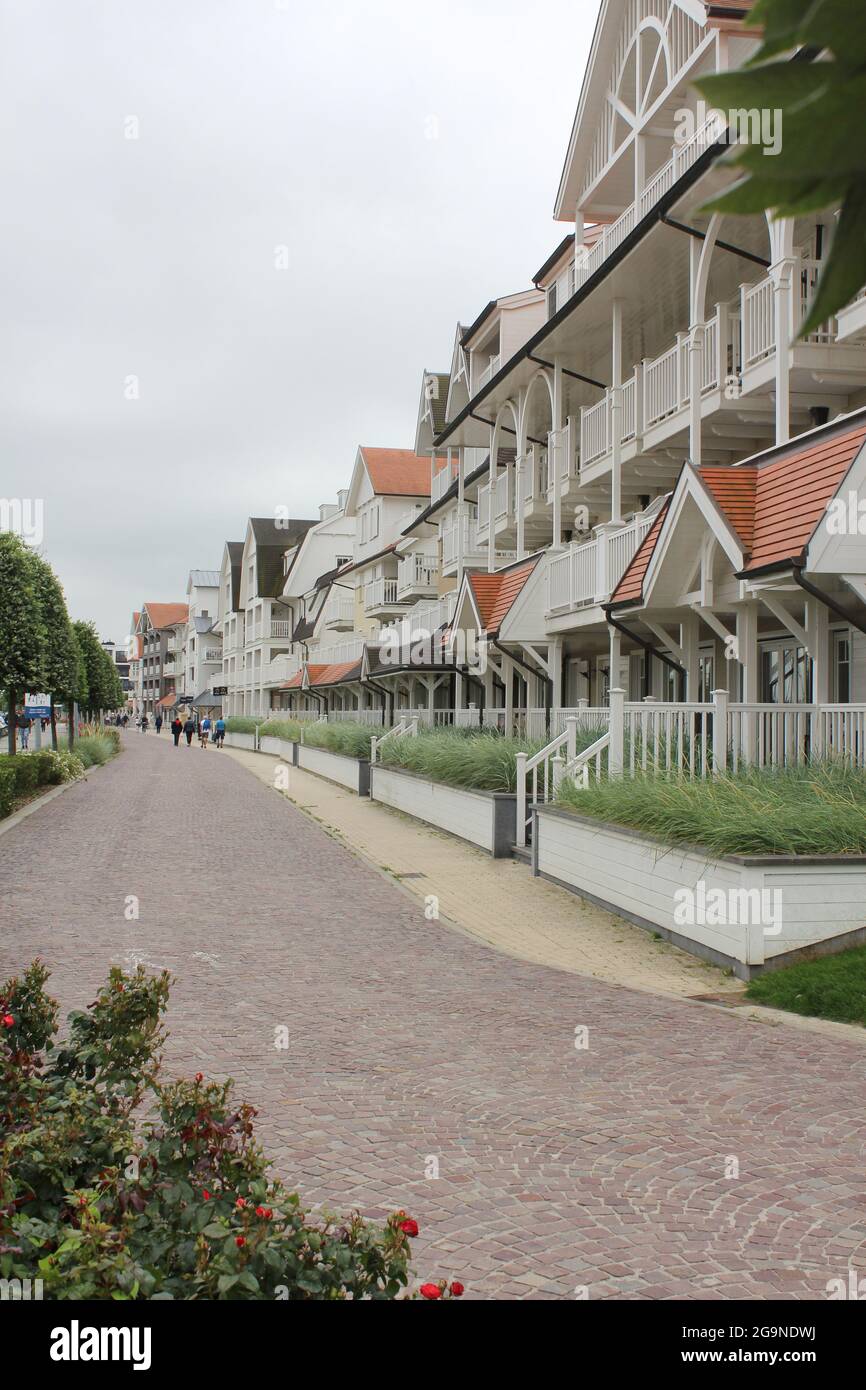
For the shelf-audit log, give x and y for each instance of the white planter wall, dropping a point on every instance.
(278, 747)
(349, 772)
(241, 741)
(822, 900)
(485, 819)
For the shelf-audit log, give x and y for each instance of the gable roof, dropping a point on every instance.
(630, 587)
(203, 579)
(495, 593)
(235, 552)
(273, 538)
(167, 614)
(397, 472)
(774, 502)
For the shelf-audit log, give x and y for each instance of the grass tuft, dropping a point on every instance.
(832, 987)
(819, 809)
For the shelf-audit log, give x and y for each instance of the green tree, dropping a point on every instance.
(93, 654)
(61, 656)
(822, 161)
(22, 633)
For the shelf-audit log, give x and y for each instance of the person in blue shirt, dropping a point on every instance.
(204, 731)
(219, 732)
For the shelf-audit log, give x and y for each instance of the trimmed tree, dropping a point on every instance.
(22, 633)
(104, 690)
(62, 658)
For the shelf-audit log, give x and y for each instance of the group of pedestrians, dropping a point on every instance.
(205, 729)
(189, 727)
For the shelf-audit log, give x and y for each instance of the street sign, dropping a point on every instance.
(37, 706)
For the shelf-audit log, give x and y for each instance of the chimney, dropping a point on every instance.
(342, 499)
(327, 509)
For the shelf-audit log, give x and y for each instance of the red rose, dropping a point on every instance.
(205, 1194)
(8, 1021)
(241, 1202)
(264, 1212)
(198, 1076)
(409, 1227)
(240, 1241)
(457, 1290)
(430, 1291)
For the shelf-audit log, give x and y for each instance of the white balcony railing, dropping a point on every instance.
(379, 593)
(441, 481)
(213, 654)
(588, 261)
(423, 620)
(339, 612)
(450, 540)
(587, 572)
(416, 572)
(666, 382)
(501, 495)
(487, 374)
(595, 431)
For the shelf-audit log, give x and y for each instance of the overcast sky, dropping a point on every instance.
(235, 232)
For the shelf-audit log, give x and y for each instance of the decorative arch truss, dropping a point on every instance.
(657, 41)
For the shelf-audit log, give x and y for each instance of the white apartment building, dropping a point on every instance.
(647, 398)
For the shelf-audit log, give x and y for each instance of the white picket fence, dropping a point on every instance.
(688, 739)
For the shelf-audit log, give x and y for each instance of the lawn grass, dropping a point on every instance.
(833, 987)
(819, 809)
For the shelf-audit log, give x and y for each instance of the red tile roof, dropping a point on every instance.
(336, 674)
(494, 594)
(630, 587)
(773, 506)
(793, 493)
(397, 472)
(294, 683)
(733, 491)
(167, 614)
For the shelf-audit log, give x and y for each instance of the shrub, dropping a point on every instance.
(241, 724)
(817, 809)
(25, 771)
(7, 789)
(95, 749)
(180, 1207)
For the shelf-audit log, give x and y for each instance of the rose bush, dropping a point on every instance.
(180, 1205)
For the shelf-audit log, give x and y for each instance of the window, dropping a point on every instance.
(551, 301)
(364, 526)
(841, 668)
(786, 674)
(706, 683)
(342, 560)
(374, 522)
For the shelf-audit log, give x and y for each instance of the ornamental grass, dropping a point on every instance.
(812, 810)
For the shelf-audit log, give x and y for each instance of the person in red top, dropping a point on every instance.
(177, 730)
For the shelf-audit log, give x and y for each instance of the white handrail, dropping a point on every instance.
(406, 728)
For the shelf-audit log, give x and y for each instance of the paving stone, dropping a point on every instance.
(410, 1040)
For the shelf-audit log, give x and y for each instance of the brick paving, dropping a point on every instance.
(560, 1169)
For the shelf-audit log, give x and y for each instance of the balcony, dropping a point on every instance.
(339, 615)
(213, 654)
(380, 598)
(441, 481)
(587, 572)
(588, 261)
(281, 627)
(417, 577)
(423, 620)
(487, 373)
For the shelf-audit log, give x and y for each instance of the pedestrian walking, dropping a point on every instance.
(23, 723)
(144, 723)
(204, 731)
(176, 730)
(159, 723)
(219, 732)
(189, 730)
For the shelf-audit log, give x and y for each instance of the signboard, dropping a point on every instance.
(220, 690)
(37, 706)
